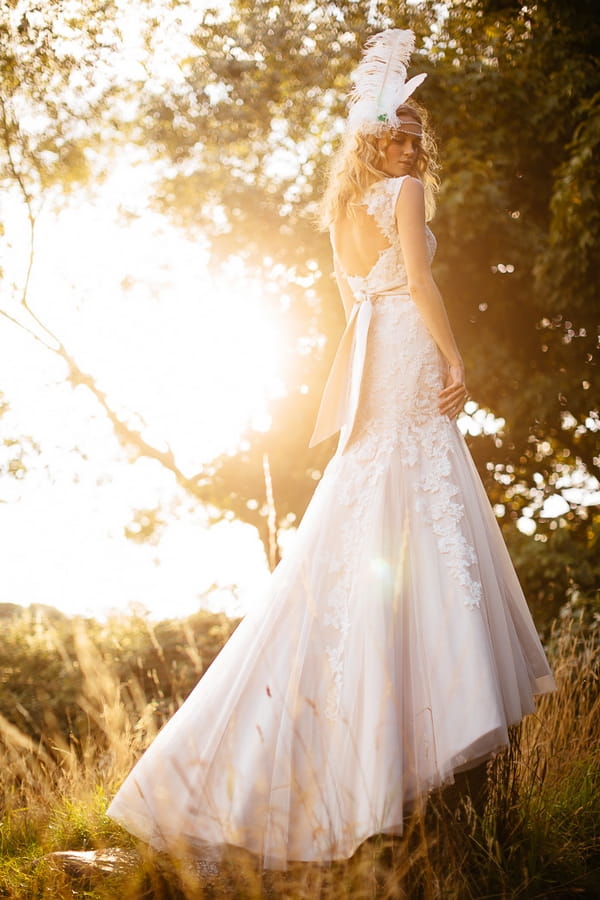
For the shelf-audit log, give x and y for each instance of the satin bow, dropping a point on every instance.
(339, 403)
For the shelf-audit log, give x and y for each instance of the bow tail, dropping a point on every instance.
(357, 367)
(341, 396)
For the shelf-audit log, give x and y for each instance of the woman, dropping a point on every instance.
(394, 646)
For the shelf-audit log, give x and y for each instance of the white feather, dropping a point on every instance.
(410, 87)
(379, 82)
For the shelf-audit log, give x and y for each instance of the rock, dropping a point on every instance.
(88, 863)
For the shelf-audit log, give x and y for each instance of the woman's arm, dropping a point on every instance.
(410, 219)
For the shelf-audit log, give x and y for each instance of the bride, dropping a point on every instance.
(393, 647)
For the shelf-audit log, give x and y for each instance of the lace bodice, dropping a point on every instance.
(389, 270)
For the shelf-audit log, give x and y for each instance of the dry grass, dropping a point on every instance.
(537, 837)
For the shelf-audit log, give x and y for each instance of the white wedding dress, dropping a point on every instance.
(393, 646)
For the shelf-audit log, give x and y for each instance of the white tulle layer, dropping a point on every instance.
(393, 647)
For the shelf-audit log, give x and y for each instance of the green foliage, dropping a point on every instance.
(53, 60)
(560, 570)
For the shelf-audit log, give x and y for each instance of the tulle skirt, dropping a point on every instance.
(392, 648)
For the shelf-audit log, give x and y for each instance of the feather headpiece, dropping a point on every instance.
(379, 82)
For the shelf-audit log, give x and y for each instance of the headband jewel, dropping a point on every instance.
(379, 81)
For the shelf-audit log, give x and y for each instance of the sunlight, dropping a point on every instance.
(197, 356)
(189, 357)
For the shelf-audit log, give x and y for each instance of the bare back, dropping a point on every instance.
(358, 242)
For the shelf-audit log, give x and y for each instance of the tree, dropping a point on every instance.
(247, 129)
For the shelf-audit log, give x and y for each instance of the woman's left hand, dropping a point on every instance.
(454, 394)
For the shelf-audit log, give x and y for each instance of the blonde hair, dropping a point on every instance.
(357, 165)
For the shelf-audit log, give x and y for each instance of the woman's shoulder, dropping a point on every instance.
(411, 196)
(382, 200)
(412, 183)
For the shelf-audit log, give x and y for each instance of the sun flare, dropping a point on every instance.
(188, 357)
(194, 356)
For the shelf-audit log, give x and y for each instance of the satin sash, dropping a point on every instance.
(341, 396)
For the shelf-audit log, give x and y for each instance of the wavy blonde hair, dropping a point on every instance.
(357, 165)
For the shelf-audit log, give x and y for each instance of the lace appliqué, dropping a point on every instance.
(380, 200)
(437, 501)
(361, 484)
(426, 449)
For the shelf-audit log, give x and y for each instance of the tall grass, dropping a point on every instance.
(105, 690)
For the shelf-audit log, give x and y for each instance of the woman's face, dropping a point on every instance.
(400, 151)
